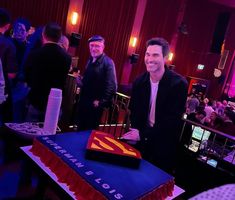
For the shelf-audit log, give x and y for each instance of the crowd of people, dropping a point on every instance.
(32, 62)
(215, 114)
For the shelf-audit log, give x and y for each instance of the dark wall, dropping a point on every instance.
(195, 48)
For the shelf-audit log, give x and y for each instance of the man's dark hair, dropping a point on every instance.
(201, 112)
(52, 32)
(161, 42)
(229, 113)
(4, 17)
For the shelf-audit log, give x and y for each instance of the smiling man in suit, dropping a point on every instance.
(157, 104)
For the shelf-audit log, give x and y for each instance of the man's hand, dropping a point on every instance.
(96, 103)
(132, 135)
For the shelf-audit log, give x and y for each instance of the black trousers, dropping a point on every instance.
(88, 117)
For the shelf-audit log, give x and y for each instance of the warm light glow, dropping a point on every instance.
(170, 57)
(74, 18)
(134, 42)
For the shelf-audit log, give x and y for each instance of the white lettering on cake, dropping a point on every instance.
(112, 191)
(57, 147)
(49, 141)
(89, 173)
(118, 196)
(79, 165)
(73, 160)
(105, 186)
(98, 180)
(62, 151)
(67, 155)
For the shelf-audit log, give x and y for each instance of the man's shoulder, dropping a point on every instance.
(52, 48)
(142, 78)
(107, 60)
(175, 77)
(141, 81)
(7, 42)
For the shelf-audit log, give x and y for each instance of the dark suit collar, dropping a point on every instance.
(164, 80)
(51, 45)
(165, 77)
(98, 60)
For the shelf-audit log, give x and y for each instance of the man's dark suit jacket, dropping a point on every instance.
(158, 144)
(46, 68)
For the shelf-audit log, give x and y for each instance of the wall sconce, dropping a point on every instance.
(74, 18)
(170, 56)
(133, 41)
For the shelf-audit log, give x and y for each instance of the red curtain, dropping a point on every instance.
(114, 21)
(159, 21)
(38, 12)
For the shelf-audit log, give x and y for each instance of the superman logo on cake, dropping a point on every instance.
(104, 147)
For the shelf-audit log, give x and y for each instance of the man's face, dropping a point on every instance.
(19, 32)
(199, 117)
(96, 48)
(154, 59)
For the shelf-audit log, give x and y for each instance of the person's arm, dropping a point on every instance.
(133, 134)
(11, 62)
(178, 99)
(28, 68)
(110, 86)
(171, 122)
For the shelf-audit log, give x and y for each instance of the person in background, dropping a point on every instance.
(192, 103)
(208, 107)
(228, 125)
(99, 85)
(45, 68)
(9, 67)
(157, 105)
(64, 42)
(19, 37)
(34, 41)
(19, 89)
(219, 108)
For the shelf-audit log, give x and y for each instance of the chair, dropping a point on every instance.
(115, 120)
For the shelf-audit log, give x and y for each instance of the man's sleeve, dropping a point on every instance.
(28, 67)
(133, 107)
(110, 87)
(179, 96)
(11, 61)
(172, 121)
